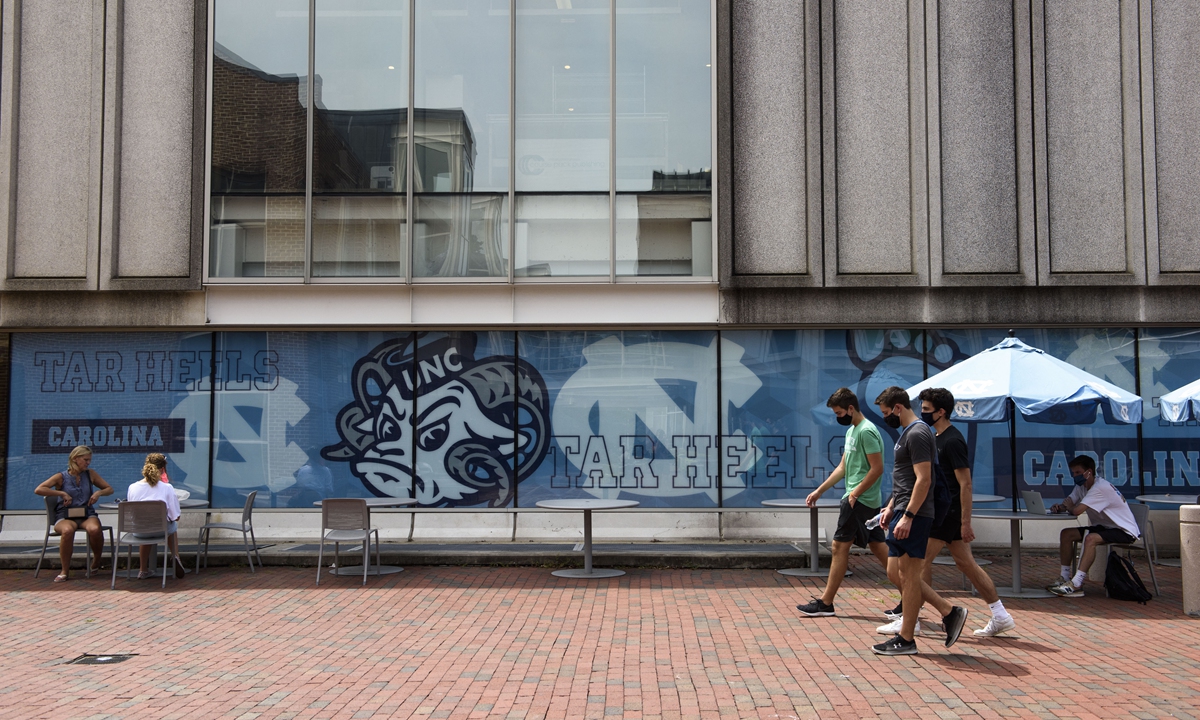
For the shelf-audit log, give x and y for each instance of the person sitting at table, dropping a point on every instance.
(160, 461)
(78, 488)
(151, 487)
(1109, 517)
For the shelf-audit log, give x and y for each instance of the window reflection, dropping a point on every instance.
(562, 105)
(257, 236)
(664, 235)
(559, 152)
(562, 235)
(460, 236)
(664, 91)
(359, 236)
(462, 57)
(259, 96)
(360, 98)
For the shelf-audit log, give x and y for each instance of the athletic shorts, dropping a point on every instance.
(913, 545)
(951, 528)
(852, 524)
(1107, 534)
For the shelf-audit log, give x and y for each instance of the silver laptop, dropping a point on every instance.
(1034, 503)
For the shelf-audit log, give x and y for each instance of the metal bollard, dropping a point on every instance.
(1189, 553)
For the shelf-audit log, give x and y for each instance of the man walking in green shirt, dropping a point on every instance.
(861, 466)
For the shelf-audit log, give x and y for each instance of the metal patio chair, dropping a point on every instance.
(148, 518)
(1141, 515)
(51, 510)
(346, 520)
(245, 527)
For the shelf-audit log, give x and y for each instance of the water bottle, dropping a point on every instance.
(875, 521)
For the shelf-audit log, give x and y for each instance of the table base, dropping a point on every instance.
(351, 570)
(1169, 562)
(1030, 593)
(809, 572)
(582, 574)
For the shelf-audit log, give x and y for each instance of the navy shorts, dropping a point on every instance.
(913, 545)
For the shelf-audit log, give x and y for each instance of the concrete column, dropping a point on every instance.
(1189, 546)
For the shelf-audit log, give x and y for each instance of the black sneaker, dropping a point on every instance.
(953, 624)
(895, 612)
(896, 646)
(816, 608)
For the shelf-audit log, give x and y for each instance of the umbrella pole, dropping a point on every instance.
(1012, 444)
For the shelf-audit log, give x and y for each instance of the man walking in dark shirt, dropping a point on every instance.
(936, 406)
(909, 517)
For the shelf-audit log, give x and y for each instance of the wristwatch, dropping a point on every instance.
(909, 515)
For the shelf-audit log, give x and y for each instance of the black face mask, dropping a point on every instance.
(1079, 479)
(893, 421)
(928, 418)
(845, 419)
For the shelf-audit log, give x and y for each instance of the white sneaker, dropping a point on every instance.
(893, 628)
(995, 627)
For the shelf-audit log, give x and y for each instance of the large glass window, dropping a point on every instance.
(633, 415)
(562, 235)
(489, 419)
(462, 138)
(664, 234)
(123, 395)
(360, 138)
(259, 126)
(461, 236)
(604, 103)
(1169, 359)
(359, 236)
(563, 95)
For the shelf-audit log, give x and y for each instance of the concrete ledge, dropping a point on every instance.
(674, 555)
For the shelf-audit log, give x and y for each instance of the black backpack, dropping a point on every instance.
(1121, 580)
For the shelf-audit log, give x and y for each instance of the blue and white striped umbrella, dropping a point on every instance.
(1043, 388)
(1181, 405)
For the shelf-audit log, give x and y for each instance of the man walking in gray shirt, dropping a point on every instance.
(909, 517)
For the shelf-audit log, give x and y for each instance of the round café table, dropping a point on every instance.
(975, 500)
(1167, 499)
(1014, 520)
(587, 505)
(814, 546)
(375, 502)
(154, 570)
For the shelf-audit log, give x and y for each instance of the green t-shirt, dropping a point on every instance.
(862, 440)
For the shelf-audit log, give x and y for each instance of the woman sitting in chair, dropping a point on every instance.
(151, 487)
(78, 489)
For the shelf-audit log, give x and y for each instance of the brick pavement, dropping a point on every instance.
(518, 643)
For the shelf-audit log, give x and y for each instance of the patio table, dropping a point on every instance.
(587, 505)
(1167, 499)
(1014, 520)
(814, 546)
(376, 502)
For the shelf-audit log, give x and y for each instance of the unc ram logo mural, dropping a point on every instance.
(468, 452)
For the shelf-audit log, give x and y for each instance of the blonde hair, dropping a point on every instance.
(78, 452)
(157, 459)
(151, 472)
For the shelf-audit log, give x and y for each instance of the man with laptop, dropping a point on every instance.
(1109, 517)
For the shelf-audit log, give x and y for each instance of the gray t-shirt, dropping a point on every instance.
(916, 445)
